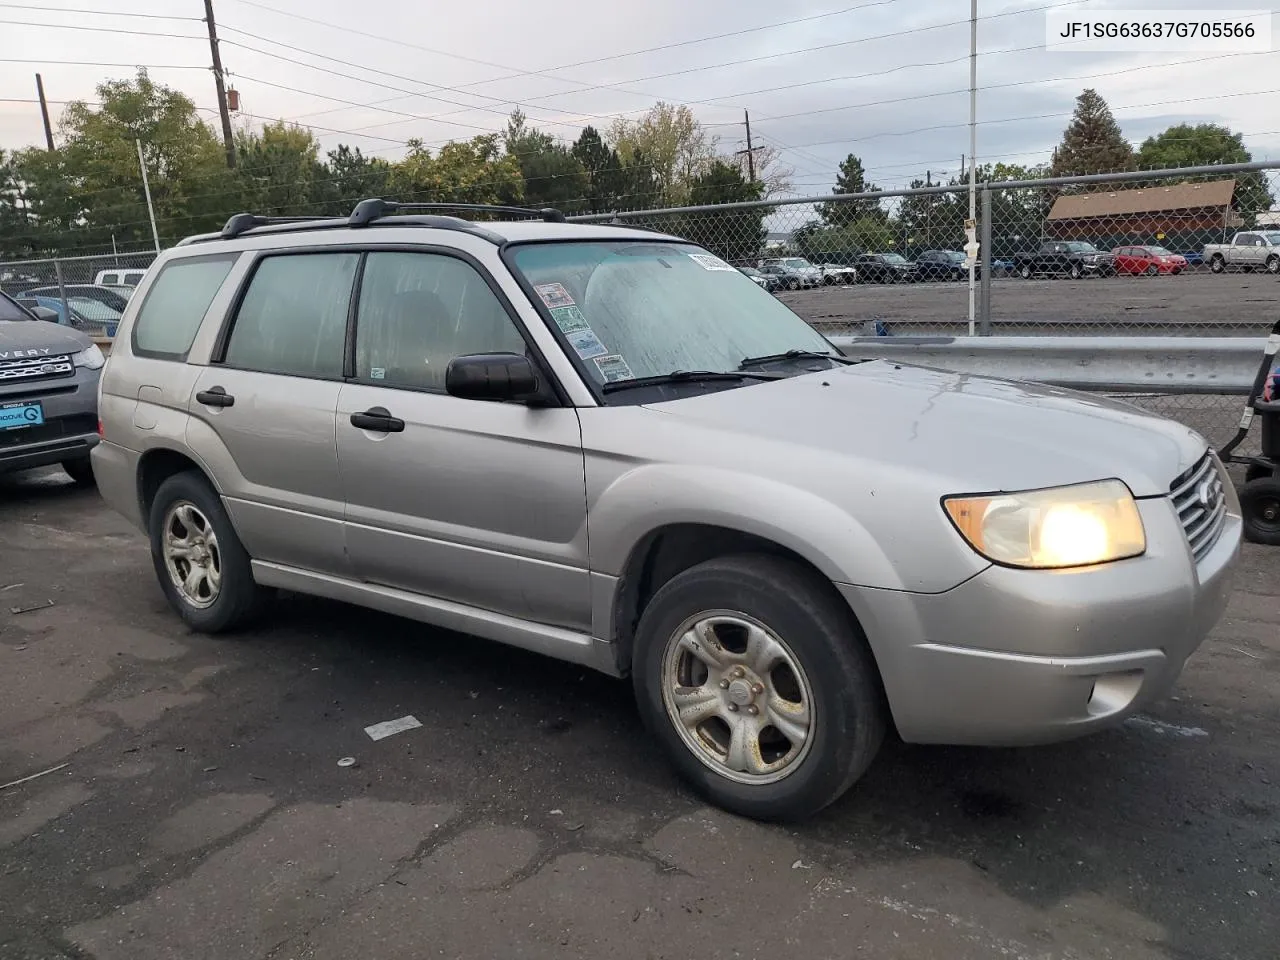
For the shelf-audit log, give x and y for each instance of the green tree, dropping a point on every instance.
(1092, 142)
(734, 235)
(851, 178)
(279, 170)
(677, 148)
(553, 175)
(603, 168)
(469, 171)
(352, 177)
(1203, 145)
(99, 193)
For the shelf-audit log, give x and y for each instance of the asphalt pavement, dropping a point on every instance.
(200, 810)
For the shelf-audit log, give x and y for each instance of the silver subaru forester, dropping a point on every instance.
(610, 446)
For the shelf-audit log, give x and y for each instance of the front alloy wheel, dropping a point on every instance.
(738, 697)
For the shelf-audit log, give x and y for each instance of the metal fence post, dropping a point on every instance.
(984, 317)
(62, 293)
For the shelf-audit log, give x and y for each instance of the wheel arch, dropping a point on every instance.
(157, 465)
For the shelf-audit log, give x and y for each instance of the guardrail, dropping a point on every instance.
(1220, 366)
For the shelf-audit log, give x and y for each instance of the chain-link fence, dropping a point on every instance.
(89, 293)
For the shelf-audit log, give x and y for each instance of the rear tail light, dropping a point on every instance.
(100, 431)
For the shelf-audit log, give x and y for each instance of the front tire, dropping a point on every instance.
(1025, 271)
(1273, 264)
(202, 567)
(1217, 264)
(760, 686)
(1075, 273)
(1260, 504)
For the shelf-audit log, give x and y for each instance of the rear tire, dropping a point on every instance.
(1217, 264)
(1273, 264)
(80, 471)
(1075, 273)
(731, 630)
(1152, 270)
(1025, 272)
(212, 586)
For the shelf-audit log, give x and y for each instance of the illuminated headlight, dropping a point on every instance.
(1060, 527)
(91, 358)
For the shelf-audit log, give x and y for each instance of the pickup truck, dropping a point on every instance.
(1072, 258)
(1255, 250)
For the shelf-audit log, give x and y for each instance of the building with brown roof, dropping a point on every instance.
(1179, 216)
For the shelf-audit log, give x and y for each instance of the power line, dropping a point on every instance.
(99, 63)
(99, 13)
(120, 30)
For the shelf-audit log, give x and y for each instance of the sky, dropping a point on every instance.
(884, 79)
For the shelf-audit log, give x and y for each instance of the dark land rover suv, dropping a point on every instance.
(48, 393)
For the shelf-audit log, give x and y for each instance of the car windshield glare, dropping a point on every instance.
(894, 258)
(1079, 247)
(630, 309)
(798, 263)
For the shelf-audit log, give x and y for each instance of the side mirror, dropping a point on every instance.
(44, 313)
(491, 376)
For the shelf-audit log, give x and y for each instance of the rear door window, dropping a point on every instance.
(293, 318)
(176, 304)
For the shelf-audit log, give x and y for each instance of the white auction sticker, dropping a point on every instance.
(1155, 31)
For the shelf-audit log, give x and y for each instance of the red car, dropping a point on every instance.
(1148, 260)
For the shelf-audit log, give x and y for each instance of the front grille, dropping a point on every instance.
(1201, 501)
(28, 369)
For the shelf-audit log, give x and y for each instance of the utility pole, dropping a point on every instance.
(227, 139)
(750, 151)
(44, 113)
(146, 188)
(971, 226)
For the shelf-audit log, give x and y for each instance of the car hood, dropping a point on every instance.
(19, 337)
(975, 434)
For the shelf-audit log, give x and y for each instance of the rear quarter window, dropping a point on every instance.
(176, 304)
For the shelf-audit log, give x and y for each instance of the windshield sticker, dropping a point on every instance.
(569, 319)
(613, 368)
(378, 373)
(554, 295)
(587, 344)
(708, 262)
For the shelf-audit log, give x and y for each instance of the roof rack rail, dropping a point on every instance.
(244, 222)
(375, 208)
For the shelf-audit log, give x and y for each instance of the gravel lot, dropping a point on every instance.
(203, 814)
(1201, 303)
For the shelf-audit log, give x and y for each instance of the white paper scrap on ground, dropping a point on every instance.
(380, 731)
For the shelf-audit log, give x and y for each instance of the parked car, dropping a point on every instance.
(1070, 258)
(944, 265)
(48, 393)
(835, 273)
(105, 295)
(1253, 250)
(884, 268)
(1148, 260)
(768, 281)
(424, 416)
(119, 277)
(793, 273)
(84, 312)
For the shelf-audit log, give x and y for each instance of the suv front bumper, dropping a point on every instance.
(70, 428)
(1014, 657)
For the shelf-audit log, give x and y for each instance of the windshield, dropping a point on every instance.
(10, 310)
(750, 272)
(633, 309)
(894, 258)
(798, 263)
(1159, 251)
(1078, 247)
(955, 257)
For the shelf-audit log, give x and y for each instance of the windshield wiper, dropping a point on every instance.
(796, 355)
(685, 376)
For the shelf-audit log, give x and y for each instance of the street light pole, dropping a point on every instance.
(972, 225)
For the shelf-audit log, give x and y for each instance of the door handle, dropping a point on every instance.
(379, 419)
(215, 397)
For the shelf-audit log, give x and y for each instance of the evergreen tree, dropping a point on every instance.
(851, 178)
(1092, 142)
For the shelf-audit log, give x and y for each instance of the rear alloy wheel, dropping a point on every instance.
(1273, 264)
(759, 685)
(1217, 264)
(1025, 272)
(1076, 273)
(1152, 270)
(203, 569)
(1260, 504)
